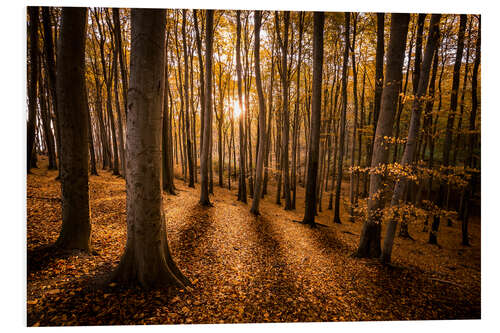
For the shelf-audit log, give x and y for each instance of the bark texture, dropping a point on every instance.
(313, 154)
(72, 108)
(369, 245)
(147, 260)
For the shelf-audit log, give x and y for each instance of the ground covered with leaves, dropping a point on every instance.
(244, 269)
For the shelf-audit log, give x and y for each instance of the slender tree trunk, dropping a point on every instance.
(207, 120)
(411, 143)
(262, 118)
(355, 123)
(186, 110)
(471, 141)
(242, 189)
(296, 114)
(167, 158)
(93, 163)
(76, 229)
(336, 217)
(369, 245)
(286, 121)
(33, 13)
(379, 83)
(48, 45)
(443, 198)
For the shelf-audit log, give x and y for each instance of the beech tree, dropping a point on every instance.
(33, 80)
(262, 117)
(72, 108)
(313, 154)
(345, 73)
(411, 142)
(369, 243)
(147, 260)
(207, 120)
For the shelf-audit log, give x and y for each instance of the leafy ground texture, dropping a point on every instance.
(244, 269)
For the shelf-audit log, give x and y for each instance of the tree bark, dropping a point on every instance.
(313, 155)
(76, 229)
(345, 73)
(207, 120)
(242, 189)
(262, 118)
(147, 260)
(369, 244)
(286, 121)
(413, 132)
(33, 12)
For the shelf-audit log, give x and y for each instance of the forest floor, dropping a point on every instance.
(244, 269)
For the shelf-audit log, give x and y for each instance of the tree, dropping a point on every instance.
(414, 130)
(33, 12)
(471, 142)
(72, 108)
(313, 149)
(345, 73)
(242, 189)
(262, 117)
(379, 84)
(147, 260)
(443, 188)
(207, 120)
(284, 73)
(369, 244)
(186, 95)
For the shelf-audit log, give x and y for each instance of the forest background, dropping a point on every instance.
(13, 137)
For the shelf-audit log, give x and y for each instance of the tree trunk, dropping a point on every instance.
(313, 148)
(242, 189)
(379, 80)
(186, 110)
(33, 12)
(286, 121)
(472, 140)
(207, 120)
(355, 123)
(147, 260)
(413, 132)
(76, 228)
(51, 69)
(262, 118)
(369, 245)
(345, 73)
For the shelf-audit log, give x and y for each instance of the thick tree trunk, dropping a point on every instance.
(147, 260)
(207, 120)
(369, 245)
(413, 132)
(312, 170)
(72, 108)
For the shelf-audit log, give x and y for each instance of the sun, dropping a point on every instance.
(236, 109)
